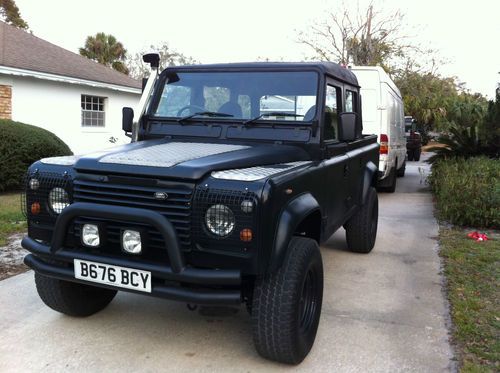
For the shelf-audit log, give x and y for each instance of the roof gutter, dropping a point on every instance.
(65, 79)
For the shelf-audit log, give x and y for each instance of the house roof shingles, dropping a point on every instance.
(21, 50)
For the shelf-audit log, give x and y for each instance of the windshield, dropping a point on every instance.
(240, 95)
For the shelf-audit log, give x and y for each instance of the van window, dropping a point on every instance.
(350, 101)
(331, 112)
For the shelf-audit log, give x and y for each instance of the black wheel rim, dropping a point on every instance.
(308, 301)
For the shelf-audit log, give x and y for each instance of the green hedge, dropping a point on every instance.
(20, 146)
(467, 191)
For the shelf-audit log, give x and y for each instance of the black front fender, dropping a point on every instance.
(294, 212)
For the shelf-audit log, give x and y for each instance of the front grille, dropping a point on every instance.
(176, 207)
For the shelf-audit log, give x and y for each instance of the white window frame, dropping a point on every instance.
(100, 101)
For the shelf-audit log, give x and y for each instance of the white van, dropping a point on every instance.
(383, 115)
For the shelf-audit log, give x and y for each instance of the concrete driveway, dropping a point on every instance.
(383, 312)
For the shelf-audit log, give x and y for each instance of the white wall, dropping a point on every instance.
(55, 106)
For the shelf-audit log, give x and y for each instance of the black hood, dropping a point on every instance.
(186, 160)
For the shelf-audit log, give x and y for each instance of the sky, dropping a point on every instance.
(466, 36)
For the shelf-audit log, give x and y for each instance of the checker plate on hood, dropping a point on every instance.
(169, 154)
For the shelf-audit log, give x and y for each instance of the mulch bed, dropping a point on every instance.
(11, 257)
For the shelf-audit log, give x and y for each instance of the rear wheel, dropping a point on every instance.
(361, 228)
(416, 155)
(402, 170)
(410, 154)
(71, 298)
(287, 304)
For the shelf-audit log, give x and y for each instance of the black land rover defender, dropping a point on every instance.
(235, 175)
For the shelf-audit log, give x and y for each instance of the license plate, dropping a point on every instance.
(122, 277)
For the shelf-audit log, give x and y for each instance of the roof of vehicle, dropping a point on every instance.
(383, 76)
(328, 68)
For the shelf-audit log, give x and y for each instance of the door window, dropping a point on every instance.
(331, 113)
(350, 101)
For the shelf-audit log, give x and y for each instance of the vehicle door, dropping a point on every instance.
(335, 162)
(355, 161)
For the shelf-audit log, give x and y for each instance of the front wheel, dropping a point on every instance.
(71, 298)
(287, 304)
(361, 228)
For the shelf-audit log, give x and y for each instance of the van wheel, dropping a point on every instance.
(287, 304)
(402, 170)
(361, 228)
(71, 298)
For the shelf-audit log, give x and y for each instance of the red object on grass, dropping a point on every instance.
(478, 236)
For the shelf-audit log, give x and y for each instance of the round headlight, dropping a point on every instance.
(58, 200)
(220, 220)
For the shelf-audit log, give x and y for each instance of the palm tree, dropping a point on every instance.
(106, 50)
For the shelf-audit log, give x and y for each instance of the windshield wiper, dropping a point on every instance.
(211, 114)
(271, 114)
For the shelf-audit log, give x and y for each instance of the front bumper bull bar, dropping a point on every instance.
(192, 285)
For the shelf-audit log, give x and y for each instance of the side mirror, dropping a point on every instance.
(127, 119)
(348, 126)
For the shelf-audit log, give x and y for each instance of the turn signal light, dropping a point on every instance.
(35, 208)
(246, 235)
(384, 144)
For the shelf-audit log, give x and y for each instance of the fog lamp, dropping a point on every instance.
(90, 235)
(131, 242)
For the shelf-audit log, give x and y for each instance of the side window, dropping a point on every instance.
(350, 101)
(331, 112)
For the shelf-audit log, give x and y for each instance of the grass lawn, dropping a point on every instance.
(473, 272)
(12, 219)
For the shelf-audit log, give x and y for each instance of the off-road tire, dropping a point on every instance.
(71, 298)
(416, 154)
(402, 170)
(361, 228)
(287, 304)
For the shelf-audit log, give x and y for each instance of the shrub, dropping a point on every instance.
(20, 146)
(467, 191)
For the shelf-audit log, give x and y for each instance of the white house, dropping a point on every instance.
(47, 86)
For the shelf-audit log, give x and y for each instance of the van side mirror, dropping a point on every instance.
(348, 126)
(127, 119)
